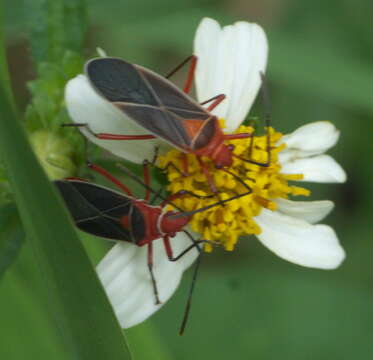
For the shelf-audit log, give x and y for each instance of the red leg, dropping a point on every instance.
(182, 193)
(169, 252)
(184, 160)
(105, 136)
(208, 176)
(237, 136)
(76, 178)
(217, 101)
(172, 198)
(150, 266)
(110, 177)
(168, 248)
(192, 69)
(145, 166)
(209, 100)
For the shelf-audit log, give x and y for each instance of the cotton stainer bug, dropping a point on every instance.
(156, 104)
(109, 214)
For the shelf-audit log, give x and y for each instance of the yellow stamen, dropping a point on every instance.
(225, 224)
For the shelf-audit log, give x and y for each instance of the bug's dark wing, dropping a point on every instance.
(149, 99)
(160, 122)
(95, 209)
(137, 225)
(170, 96)
(119, 81)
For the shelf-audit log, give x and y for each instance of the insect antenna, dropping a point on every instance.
(190, 213)
(191, 289)
(156, 196)
(134, 177)
(238, 179)
(182, 213)
(267, 120)
(267, 112)
(178, 67)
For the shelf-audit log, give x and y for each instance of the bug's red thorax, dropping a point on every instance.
(216, 150)
(193, 126)
(156, 222)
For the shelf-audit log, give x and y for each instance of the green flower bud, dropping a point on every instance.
(54, 154)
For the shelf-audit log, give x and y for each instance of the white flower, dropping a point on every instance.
(230, 60)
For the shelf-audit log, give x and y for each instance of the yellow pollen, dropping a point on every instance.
(223, 225)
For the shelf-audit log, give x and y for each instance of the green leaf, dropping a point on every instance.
(24, 315)
(55, 26)
(83, 316)
(147, 343)
(11, 236)
(46, 109)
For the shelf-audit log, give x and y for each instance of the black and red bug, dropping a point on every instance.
(159, 106)
(120, 216)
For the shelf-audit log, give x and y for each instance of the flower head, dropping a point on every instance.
(230, 60)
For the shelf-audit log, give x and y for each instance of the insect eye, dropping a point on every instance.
(182, 192)
(231, 147)
(218, 166)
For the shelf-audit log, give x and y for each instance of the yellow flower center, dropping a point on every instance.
(225, 224)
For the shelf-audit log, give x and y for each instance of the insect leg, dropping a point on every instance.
(210, 180)
(178, 67)
(192, 68)
(110, 177)
(181, 193)
(106, 136)
(189, 301)
(195, 273)
(211, 99)
(217, 101)
(237, 136)
(267, 113)
(150, 267)
(267, 117)
(169, 164)
(145, 166)
(171, 257)
(157, 195)
(184, 160)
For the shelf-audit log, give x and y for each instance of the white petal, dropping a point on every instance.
(101, 52)
(125, 276)
(310, 211)
(322, 168)
(230, 61)
(85, 106)
(308, 140)
(299, 242)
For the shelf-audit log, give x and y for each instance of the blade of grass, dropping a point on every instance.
(21, 295)
(146, 342)
(83, 315)
(11, 236)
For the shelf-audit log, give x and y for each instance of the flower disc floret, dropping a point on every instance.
(223, 225)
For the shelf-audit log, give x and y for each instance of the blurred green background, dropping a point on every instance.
(247, 304)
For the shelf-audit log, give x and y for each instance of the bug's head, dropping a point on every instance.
(223, 156)
(171, 224)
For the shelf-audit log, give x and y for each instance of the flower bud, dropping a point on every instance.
(54, 154)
